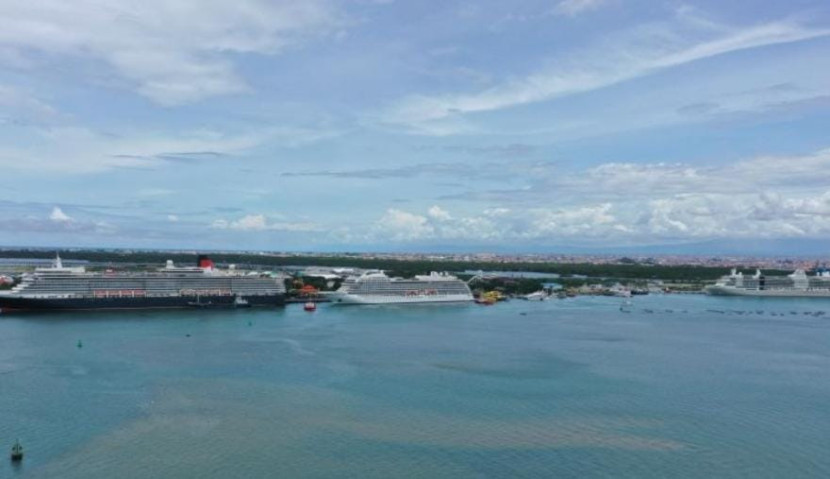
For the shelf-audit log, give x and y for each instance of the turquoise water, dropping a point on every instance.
(684, 386)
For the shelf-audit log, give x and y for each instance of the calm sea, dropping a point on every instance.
(683, 386)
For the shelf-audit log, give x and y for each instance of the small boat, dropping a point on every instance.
(310, 306)
(240, 302)
(490, 298)
(537, 296)
(17, 452)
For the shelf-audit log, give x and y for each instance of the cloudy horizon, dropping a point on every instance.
(350, 125)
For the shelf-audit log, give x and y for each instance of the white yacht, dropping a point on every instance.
(536, 296)
(374, 287)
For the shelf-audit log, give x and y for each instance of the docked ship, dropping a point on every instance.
(797, 284)
(59, 288)
(375, 287)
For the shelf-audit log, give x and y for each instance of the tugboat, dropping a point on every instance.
(310, 306)
(17, 452)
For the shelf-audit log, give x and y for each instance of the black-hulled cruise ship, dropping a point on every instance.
(73, 288)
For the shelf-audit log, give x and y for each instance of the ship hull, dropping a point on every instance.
(346, 298)
(768, 293)
(22, 303)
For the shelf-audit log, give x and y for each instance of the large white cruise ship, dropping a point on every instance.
(374, 287)
(797, 284)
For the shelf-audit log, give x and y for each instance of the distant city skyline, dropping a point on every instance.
(379, 125)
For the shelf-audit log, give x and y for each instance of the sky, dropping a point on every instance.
(391, 125)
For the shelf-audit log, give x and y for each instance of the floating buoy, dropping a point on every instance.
(80, 344)
(250, 323)
(17, 452)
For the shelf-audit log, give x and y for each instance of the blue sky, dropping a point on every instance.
(418, 125)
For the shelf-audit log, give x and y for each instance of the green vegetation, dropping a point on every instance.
(321, 284)
(509, 286)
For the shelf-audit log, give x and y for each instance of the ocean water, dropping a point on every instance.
(681, 387)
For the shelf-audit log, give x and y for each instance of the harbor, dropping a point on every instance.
(681, 385)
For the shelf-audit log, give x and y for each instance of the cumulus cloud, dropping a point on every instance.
(399, 225)
(28, 217)
(250, 222)
(171, 52)
(494, 224)
(59, 216)
(438, 213)
(680, 212)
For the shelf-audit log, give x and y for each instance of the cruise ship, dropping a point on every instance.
(60, 288)
(797, 284)
(374, 287)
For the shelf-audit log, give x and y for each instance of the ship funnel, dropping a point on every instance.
(205, 262)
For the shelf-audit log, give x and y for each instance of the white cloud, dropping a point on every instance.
(636, 53)
(260, 222)
(249, 222)
(398, 225)
(81, 150)
(59, 216)
(764, 197)
(173, 52)
(438, 213)
(496, 212)
(20, 106)
(575, 7)
(627, 182)
(494, 225)
(220, 224)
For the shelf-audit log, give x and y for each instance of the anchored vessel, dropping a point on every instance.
(17, 452)
(73, 288)
(374, 287)
(793, 285)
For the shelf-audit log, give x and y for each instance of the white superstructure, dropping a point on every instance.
(374, 287)
(796, 284)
